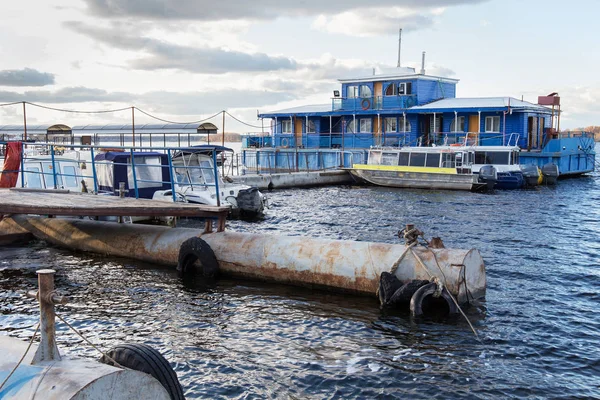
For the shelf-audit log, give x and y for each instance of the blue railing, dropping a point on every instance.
(373, 103)
(56, 159)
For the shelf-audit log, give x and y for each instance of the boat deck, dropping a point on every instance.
(65, 203)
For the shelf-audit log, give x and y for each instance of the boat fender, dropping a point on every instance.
(196, 257)
(365, 104)
(393, 293)
(143, 358)
(419, 298)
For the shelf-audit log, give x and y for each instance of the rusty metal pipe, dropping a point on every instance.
(47, 351)
(333, 264)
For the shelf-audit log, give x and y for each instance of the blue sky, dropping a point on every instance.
(183, 60)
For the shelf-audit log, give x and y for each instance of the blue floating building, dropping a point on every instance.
(401, 107)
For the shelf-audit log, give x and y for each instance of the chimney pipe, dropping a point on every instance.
(399, 45)
(423, 64)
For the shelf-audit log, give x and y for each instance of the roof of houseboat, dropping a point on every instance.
(475, 103)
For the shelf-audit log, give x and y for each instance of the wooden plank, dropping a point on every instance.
(76, 204)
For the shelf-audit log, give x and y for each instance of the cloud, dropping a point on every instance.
(66, 95)
(360, 22)
(25, 77)
(164, 55)
(208, 10)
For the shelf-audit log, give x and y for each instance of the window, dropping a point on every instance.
(404, 124)
(492, 157)
(433, 160)
(148, 172)
(417, 159)
(365, 125)
(351, 126)
(365, 91)
(310, 126)
(286, 126)
(492, 124)
(403, 160)
(389, 159)
(352, 92)
(33, 178)
(391, 90)
(401, 89)
(461, 125)
(390, 125)
(69, 176)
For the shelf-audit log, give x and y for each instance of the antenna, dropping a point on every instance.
(399, 45)
(423, 64)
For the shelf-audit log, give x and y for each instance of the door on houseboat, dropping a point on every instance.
(377, 95)
(532, 128)
(474, 123)
(298, 131)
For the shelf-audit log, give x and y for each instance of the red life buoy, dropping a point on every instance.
(365, 104)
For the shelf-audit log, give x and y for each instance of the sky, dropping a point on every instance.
(186, 60)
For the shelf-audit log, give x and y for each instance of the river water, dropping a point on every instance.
(539, 326)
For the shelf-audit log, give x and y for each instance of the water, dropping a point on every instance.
(539, 326)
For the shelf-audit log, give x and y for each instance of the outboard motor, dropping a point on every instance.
(250, 202)
(550, 173)
(531, 173)
(488, 175)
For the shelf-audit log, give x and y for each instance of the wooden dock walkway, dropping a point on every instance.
(64, 203)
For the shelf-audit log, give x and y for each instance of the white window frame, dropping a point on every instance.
(394, 86)
(311, 127)
(352, 92)
(390, 122)
(404, 126)
(366, 125)
(365, 88)
(402, 89)
(351, 126)
(286, 126)
(495, 122)
(461, 124)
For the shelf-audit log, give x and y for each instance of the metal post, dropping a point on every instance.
(137, 194)
(94, 171)
(171, 175)
(47, 350)
(24, 123)
(223, 144)
(132, 127)
(53, 167)
(22, 164)
(216, 171)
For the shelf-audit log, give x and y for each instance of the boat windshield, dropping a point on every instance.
(492, 157)
(202, 174)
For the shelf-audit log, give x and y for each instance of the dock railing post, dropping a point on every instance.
(94, 171)
(135, 185)
(53, 167)
(47, 296)
(216, 173)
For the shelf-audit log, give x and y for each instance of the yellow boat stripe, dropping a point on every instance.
(401, 168)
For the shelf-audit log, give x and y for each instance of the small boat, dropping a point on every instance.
(443, 167)
(44, 172)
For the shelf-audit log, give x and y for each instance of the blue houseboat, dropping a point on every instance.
(401, 107)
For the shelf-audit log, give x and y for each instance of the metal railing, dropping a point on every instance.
(365, 103)
(57, 174)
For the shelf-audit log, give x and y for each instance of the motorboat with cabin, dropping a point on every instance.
(443, 167)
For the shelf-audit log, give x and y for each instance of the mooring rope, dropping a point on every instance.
(22, 358)
(90, 343)
(451, 296)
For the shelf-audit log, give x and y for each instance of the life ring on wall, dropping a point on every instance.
(365, 104)
(285, 142)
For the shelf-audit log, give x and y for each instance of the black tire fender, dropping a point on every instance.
(196, 257)
(143, 358)
(416, 301)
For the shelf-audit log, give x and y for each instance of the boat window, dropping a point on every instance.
(391, 90)
(391, 125)
(433, 160)
(515, 158)
(389, 159)
(310, 126)
(497, 157)
(404, 124)
(365, 91)
(480, 157)
(286, 126)
(365, 125)
(148, 172)
(417, 159)
(181, 176)
(401, 89)
(352, 92)
(403, 160)
(461, 125)
(49, 175)
(492, 124)
(351, 126)
(33, 178)
(448, 160)
(375, 158)
(208, 172)
(69, 176)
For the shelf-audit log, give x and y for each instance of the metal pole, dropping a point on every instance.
(53, 167)
(94, 171)
(137, 194)
(223, 144)
(132, 127)
(24, 123)
(171, 175)
(216, 171)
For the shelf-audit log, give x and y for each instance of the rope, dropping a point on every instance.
(90, 343)
(22, 358)
(451, 296)
(242, 122)
(175, 122)
(77, 111)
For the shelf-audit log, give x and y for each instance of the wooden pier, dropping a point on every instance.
(65, 203)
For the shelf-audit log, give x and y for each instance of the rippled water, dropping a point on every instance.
(540, 325)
